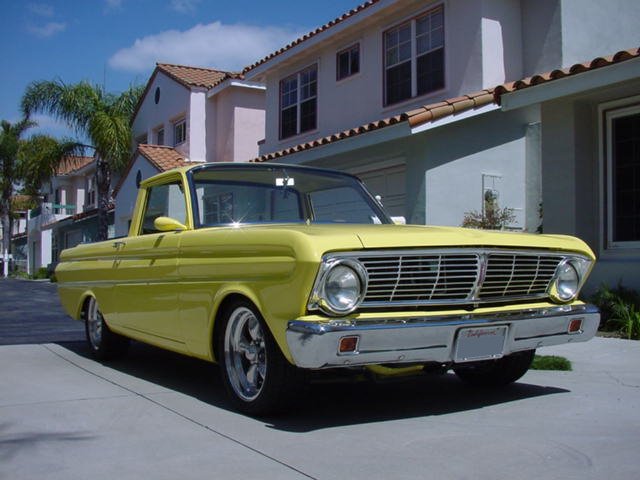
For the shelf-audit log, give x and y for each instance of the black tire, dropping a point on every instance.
(496, 373)
(257, 377)
(103, 343)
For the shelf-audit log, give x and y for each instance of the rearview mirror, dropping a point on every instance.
(168, 224)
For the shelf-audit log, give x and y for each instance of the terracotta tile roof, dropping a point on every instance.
(453, 106)
(353, 132)
(576, 69)
(163, 158)
(72, 164)
(425, 114)
(313, 33)
(80, 216)
(196, 76)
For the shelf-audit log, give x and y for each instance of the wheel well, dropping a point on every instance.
(83, 309)
(222, 308)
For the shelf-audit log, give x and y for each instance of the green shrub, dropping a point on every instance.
(550, 362)
(619, 310)
(626, 317)
(41, 274)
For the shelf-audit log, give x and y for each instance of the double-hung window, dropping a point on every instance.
(623, 176)
(414, 57)
(179, 132)
(348, 62)
(299, 102)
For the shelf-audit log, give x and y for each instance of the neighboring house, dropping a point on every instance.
(19, 232)
(403, 93)
(206, 115)
(189, 114)
(67, 215)
(148, 160)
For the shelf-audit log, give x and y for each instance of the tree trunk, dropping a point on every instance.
(103, 182)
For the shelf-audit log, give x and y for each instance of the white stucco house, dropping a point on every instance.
(436, 103)
(189, 114)
(67, 215)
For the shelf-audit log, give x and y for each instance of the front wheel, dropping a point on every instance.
(104, 344)
(496, 373)
(257, 377)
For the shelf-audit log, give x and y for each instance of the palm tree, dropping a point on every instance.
(25, 162)
(101, 117)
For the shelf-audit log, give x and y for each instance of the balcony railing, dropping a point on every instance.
(52, 209)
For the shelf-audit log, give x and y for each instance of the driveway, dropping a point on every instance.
(158, 415)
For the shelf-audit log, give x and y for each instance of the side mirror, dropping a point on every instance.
(168, 224)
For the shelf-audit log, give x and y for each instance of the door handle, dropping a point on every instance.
(119, 245)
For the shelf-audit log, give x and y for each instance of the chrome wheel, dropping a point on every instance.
(94, 324)
(104, 344)
(245, 353)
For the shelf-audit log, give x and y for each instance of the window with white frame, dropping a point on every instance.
(348, 62)
(179, 132)
(299, 102)
(414, 57)
(160, 136)
(91, 192)
(623, 176)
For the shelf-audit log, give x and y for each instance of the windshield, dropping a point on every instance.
(240, 194)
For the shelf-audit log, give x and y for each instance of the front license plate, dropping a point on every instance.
(482, 343)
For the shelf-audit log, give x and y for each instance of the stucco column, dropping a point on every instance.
(196, 124)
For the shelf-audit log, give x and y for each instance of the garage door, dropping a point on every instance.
(389, 183)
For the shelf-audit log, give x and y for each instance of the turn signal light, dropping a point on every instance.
(348, 345)
(575, 326)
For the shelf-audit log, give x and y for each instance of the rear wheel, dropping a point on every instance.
(104, 344)
(496, 373)
(257, 377)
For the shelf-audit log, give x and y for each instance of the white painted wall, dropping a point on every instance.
(503, 167)
(482, 48)
(598, 28)
(126, 199)
(235, 124)
(196, 127)
(174, 103)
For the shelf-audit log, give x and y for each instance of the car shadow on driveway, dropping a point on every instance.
(331, 402)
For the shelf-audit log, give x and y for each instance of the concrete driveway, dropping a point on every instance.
(158, 415)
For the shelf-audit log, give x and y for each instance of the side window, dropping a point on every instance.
(164, 201)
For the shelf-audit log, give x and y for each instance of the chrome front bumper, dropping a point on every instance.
(420, 339)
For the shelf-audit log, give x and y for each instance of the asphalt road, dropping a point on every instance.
(158, 415)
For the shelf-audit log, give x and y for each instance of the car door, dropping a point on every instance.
(147, 286)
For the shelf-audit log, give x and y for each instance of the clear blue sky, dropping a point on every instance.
(117, 42)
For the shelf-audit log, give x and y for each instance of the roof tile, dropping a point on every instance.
(162, 157)
(196, 76)
(72, 164)
(576, 69)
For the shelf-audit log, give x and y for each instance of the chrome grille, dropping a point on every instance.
(455, 277)
(517, 275)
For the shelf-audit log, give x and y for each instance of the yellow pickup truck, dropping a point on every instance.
(276, 270)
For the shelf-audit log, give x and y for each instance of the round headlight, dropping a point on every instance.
(567, 282)
(343, 288)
